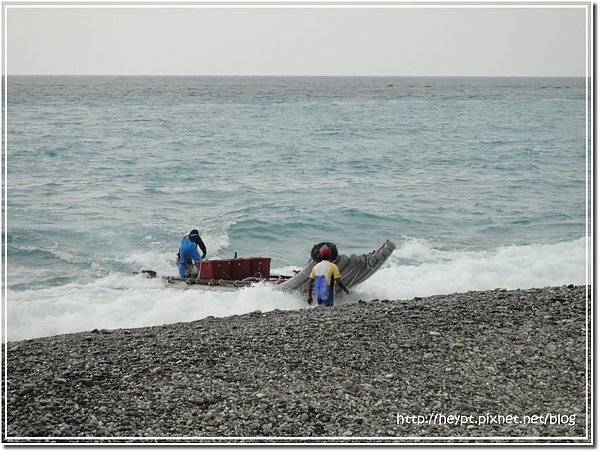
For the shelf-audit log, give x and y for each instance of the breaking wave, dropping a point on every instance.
(416, 268)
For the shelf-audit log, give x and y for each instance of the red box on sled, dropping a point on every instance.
(261, 266)
(216, 269)
(241, 268)
(236, 269)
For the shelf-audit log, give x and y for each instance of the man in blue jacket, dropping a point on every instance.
(188, 253)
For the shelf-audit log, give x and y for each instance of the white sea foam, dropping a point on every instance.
(127, 301)
(510, 267)
(150, 260)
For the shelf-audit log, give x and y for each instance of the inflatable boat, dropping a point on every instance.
(233, 274)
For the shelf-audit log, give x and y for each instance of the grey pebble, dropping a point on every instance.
(345, 371)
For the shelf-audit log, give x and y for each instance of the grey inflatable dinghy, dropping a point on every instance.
(354, 268)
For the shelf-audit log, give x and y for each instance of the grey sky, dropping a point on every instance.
(448, 40)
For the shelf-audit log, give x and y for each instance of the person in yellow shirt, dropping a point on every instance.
(322, 278)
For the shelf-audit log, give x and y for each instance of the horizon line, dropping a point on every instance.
(294, 75)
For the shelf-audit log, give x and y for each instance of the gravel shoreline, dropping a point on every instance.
(357, 372)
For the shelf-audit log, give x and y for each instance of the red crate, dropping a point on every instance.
(216, 269)
(261, 266)
(241, 268)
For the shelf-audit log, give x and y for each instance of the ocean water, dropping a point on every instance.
(480, 182)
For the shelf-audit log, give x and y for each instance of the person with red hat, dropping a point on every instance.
(322, 278)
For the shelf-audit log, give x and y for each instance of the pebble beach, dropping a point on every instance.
(483, 366)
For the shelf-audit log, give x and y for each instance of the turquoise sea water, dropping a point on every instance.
(480, 182)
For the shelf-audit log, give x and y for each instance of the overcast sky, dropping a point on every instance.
(448, 40)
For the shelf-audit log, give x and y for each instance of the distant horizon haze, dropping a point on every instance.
(302, 76)
(521, 39)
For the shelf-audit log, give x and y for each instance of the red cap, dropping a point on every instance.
(325, 252)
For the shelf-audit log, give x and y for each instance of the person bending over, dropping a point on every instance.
(188, 253)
